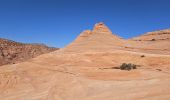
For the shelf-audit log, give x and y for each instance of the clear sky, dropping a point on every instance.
(58, 22)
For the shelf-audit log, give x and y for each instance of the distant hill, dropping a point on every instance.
(12, 52)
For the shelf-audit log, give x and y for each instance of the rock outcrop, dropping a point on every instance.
(85, 70)
(100, 38)
(161, 35)
(13, 52)
(152, 42)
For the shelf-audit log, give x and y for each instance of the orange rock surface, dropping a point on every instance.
(83, 70)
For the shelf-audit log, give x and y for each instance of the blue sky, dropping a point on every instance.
(58, 22)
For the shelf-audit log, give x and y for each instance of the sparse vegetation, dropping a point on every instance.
(153, 40)
(142, 56)
(159, 69)
(124, 66)
(128, 66)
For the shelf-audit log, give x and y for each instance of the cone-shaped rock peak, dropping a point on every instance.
(100, 28)
(100, 38)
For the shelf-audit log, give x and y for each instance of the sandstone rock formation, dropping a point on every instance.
(100, 38)
(84, 71)
(13, 52)
(162, 35)
(153, 42)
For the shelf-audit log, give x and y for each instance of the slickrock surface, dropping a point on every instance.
(99, 39)
(13, 52)
(162, 35)
(84, 71)
(153, 42)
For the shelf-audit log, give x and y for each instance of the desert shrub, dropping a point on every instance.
(153, 40)
(159, 69)
(128, 66)
(142, 56)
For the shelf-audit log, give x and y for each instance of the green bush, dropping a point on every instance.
(128, 66)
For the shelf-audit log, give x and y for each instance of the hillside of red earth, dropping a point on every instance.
(12, 52)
